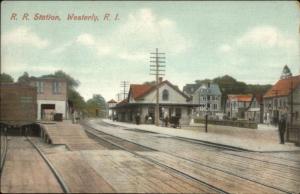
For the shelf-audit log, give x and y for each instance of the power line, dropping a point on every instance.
(157, 69)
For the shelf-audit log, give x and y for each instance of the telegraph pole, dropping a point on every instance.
(124, 85)
(276, 112)
(291, 107)
(158, 70)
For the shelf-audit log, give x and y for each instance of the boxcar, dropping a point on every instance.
(18, 104)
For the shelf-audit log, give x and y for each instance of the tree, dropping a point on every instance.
(229, 85)
(72, 83)
(205, 81)
(76, 99)
(97, 106)
(258, 89)
(5, 78)
(24, 78)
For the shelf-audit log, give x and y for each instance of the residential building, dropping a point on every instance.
(189, 89)
(255, 110)
(51, 97)
(141, 101)
(236, 105)
(208, 98)
(283, 99)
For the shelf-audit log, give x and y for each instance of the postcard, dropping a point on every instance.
(150, 97)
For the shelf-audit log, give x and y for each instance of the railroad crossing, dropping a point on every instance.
(96, 156)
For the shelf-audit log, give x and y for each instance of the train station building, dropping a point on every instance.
(141, 101)
(51, 97)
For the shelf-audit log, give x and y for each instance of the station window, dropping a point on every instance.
(165, 95)
(40, 87)
(56, 87)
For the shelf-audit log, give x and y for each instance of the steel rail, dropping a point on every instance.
(52, 168)
(149, 160)
(218, 146)
(3, 153)
(190, 160)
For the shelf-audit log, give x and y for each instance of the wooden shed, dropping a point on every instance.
(18, 104)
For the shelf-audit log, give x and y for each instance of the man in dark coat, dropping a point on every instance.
(137, 118)
(282, 128)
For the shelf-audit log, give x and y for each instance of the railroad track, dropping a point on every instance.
(113, 139)
(120, 141)
(200, 142)
(52, 168)
(4, 143)
(211, 145)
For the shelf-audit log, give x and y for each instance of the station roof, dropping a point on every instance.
(141, 90)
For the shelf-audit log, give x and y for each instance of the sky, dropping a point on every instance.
(248, 40)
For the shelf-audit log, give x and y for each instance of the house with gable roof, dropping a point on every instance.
(236, 105)
(284, 98)
(208, 97)
(142, 99)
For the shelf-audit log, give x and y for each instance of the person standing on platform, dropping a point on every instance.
(137, 118)
(282, 128)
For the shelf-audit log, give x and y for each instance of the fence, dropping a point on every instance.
(243, 124)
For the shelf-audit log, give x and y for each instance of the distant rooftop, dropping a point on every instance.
(112, 101)
(241, 97)
(283, 87)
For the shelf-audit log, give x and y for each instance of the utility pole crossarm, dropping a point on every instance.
(124, 85)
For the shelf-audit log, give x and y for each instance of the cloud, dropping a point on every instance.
(62, 47)
(144, 27)
(86, 39)
(261, 49)
(225, 48)
(24, 36)
(265, 36)
(142, 32)
(257, 46)
(133, 56)
(259, 37)
(101, 47)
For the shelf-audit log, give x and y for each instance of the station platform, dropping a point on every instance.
(69, 134)
(263, 139)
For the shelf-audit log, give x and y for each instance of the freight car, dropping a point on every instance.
(18, 107)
